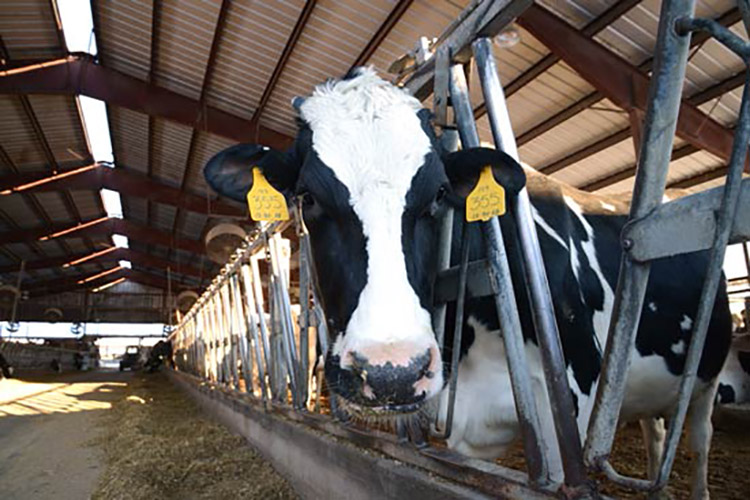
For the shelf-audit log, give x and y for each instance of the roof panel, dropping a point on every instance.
(206, 146)
(29, 29)
(137, 210)
(333, 37)
(254, 36)
(17, 136)
(185, 37)
(163, 216)
(61, 125)
(19, 211)
(171, 144)
(124, 35)
(130, 138)
(88, 204)
(55, 207)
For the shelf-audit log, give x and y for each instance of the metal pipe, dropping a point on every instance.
(17, 298)
(304, 301)
(537, 285)
(656, 147)
(235, 295)
(713, 279)
(252, 322)
(265, 337)
(231, 333)
(505, 300)
(458, 331)
(285, 313)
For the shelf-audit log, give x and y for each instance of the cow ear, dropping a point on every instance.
(463, 169)
(230, 173)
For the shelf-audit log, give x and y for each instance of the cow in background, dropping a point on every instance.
(373, 182)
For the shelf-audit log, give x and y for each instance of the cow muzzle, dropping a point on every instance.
(386, 378)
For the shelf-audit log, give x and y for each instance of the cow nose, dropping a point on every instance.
(391, 382)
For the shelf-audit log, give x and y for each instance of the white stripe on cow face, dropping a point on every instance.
(367, 131)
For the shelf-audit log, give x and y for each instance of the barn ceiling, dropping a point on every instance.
(183, 79)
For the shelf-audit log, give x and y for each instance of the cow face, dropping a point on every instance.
(372, 183)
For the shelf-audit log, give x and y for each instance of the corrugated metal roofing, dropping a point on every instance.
(29, 30)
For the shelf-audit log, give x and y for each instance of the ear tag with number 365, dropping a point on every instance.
(264, 201)
(487, 199)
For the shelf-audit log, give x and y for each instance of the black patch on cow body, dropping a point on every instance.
(725, 394)
(337, 239)
(419, 227)
(744, 358)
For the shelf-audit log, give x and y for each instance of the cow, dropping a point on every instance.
(373, 182)
(160, 354)
(734, 379)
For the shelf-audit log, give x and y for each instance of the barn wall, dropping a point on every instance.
(36, 357)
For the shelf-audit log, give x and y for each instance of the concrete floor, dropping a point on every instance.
(46, 425)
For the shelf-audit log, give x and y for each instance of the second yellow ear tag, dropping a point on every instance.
(265, 202)
(487, 199)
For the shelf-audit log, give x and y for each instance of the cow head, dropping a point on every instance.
(372, 183)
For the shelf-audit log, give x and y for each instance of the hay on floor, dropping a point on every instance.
(157, 444)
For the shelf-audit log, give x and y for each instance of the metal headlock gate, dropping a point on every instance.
(241, 333)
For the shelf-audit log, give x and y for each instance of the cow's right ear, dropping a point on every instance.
(230, 172)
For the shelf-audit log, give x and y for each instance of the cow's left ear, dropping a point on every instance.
(230, 173)
(463, 169)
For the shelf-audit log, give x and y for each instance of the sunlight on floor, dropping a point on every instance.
(43, 399)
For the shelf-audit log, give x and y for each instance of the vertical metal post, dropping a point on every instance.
(17, 298)
(445, 233)
(304, 301)
(285, 316)
(252, 321)
(537, 285)
(258, 293)
(230, 329)
(505, 300)
(659, 127)
(713, 278)
(242, 330)
(746, 252)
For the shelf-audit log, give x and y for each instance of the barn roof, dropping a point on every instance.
(183, 79)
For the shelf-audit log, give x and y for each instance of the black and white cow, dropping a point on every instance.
(373, 182)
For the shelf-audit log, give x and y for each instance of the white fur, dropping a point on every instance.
(686, 324)
(652, 306)
(367, 131)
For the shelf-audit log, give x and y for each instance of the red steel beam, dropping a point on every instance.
(620, 81)
(80, 75)
(107, 227)
(71, 283)
(113, 254)
(117, 179)
(699, 98)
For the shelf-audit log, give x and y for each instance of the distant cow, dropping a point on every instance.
(6, 370)
(373, 182)
(161, 353)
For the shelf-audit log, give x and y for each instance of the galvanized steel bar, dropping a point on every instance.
(284, 309)
(238, 306)
(231, 333)
(304, 301)
(711, 285)
(458, 330)
(505, 301)
(656, 147)
(537, 285)
(264, 333)
(253, 322)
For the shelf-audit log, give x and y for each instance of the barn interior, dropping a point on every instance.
(111, 109)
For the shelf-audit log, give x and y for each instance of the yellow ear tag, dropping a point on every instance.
(266, 204)
(487, 199)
